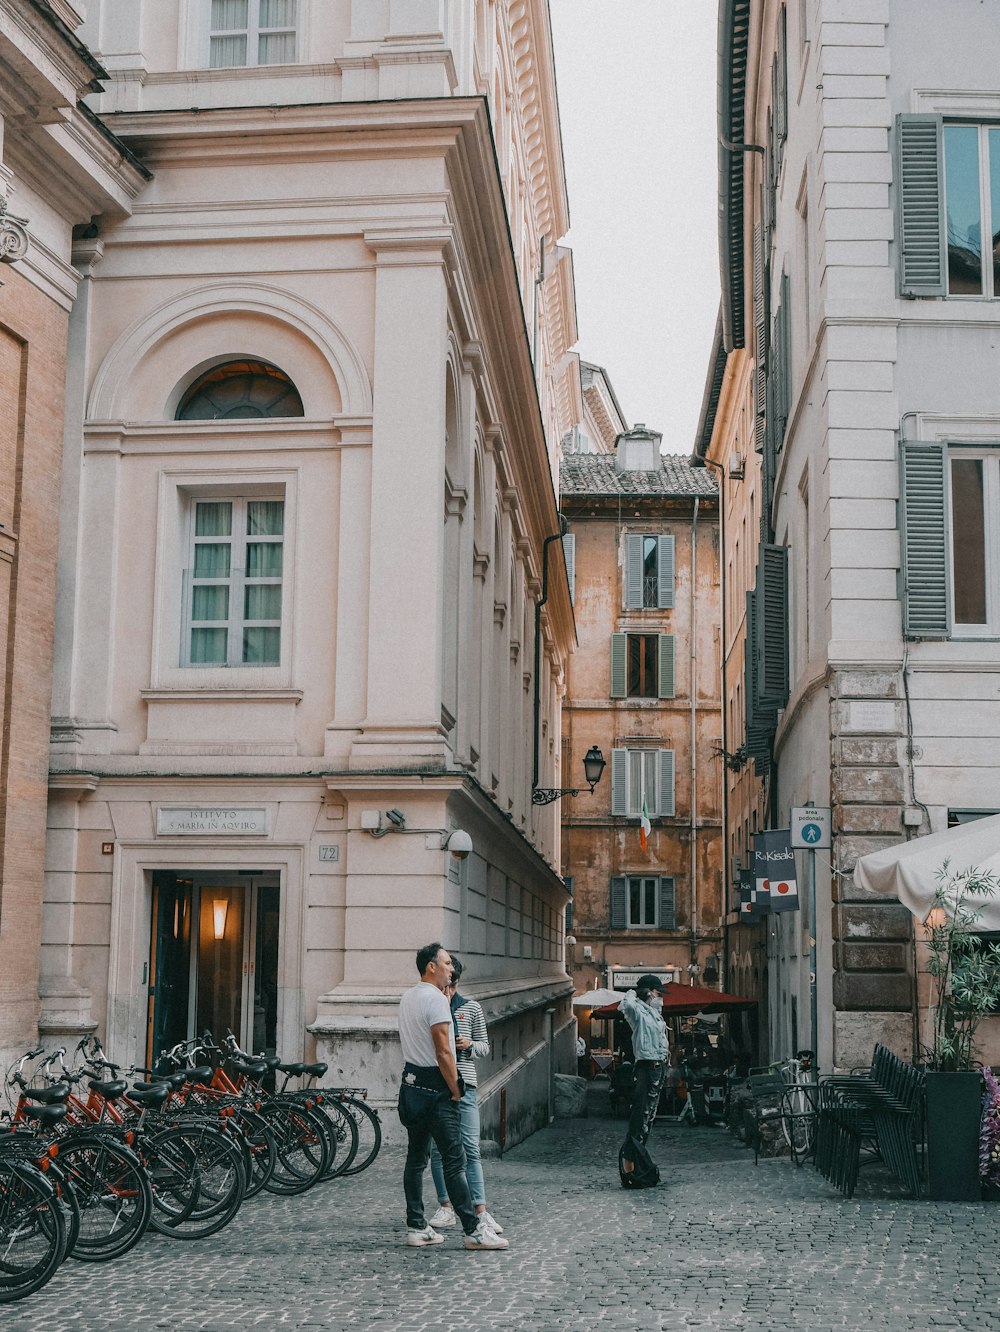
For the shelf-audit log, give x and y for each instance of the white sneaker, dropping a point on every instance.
(485, 1238)
(443, 1218)
(426, 1236)
(491, 1221)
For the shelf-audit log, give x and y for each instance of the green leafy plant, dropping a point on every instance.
(964, 969)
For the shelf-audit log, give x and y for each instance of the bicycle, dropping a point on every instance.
(799, 1105)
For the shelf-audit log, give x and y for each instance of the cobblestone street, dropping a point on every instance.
(721, 1245)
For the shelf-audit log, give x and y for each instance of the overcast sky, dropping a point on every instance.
(637, 101)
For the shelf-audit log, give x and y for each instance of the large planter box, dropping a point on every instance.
(954, 1111)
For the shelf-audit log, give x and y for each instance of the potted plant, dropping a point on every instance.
(965, 978)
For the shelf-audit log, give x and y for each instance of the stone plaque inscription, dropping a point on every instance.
(211, 821)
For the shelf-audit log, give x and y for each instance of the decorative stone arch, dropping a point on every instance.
(154, 361)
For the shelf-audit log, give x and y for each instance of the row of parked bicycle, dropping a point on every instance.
(89, 1163)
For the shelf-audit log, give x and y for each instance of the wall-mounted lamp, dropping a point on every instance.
(594, 764)
(220, 909)
(455, 840)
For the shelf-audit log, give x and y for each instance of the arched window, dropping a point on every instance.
(239, 390)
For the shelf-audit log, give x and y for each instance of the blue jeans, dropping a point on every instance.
(468, 1108)
(443, 1127)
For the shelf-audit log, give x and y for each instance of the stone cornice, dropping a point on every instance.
(534, 72)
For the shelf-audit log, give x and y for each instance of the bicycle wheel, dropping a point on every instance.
(303, 1140)
(369, 1129)
(173, 1176)
(261, 1149)
(32, 1230)
(218, 1172)
(112, 1193)
(344, 1135)
(798, 1121)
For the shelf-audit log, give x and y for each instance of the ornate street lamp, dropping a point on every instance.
(593, 767)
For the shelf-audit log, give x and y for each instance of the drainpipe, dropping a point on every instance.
(556, 536)
(693, 690)
(549, 1031)
(723, 655)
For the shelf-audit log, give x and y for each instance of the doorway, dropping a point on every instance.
(213, 961)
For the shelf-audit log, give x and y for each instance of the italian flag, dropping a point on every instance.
(644, 826)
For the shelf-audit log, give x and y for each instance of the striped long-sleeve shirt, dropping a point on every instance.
(470, 1022)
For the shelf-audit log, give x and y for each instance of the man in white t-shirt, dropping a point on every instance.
(429, 1103)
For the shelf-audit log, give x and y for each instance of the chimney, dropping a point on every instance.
(638, 450)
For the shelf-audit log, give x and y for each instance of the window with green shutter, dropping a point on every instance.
(643, 902)
(949, 540)
(642, 774)
(642, 665)
(649, 572)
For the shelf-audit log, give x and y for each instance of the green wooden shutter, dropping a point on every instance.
(633, 572)
(619, 781)
(619, 920)
(920, 205)
(569, 555)
(771, 628)
(770, 194)
(760, 327)
(665, 572)
(782, 358)
(779, 90)
(665, 805)
(665, 666)
(924, 540)
(760, 722)
(668, 905)
(619, 665)
(568, 881)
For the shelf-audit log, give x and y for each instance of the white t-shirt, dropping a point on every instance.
(420, 1009)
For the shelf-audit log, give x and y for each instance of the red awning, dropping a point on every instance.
(686, 1000)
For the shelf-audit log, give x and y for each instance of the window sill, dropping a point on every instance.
(215, 694)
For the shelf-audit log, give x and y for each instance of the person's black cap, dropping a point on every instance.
(649, 982)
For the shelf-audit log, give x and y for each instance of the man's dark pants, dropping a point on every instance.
(443, 1125)
(649, 1075)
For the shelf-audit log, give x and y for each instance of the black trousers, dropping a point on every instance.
(443, 1126)
(649, 1075)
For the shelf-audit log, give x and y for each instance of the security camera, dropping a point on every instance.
(397, 817)
(460, 844)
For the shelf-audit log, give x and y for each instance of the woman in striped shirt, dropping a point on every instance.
(472, 1042)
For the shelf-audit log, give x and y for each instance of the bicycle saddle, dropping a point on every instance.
(150, 1093)
(54, 1095)
(174, 1081)
(109, 1090)
(255, 1068)
(203, 1073)
(315, 1070)
(293, 1070)
(45, 1115)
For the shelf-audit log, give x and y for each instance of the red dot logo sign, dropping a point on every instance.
(782, 887)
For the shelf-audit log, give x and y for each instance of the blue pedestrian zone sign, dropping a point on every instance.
(810, 827)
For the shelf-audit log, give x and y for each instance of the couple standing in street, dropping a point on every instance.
(441, 1034)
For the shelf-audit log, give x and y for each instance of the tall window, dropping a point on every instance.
(642, 665)
(643, 902)
(252, 32)
(972, 203)
(649, 572)
(235, 583)
(639, 775)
